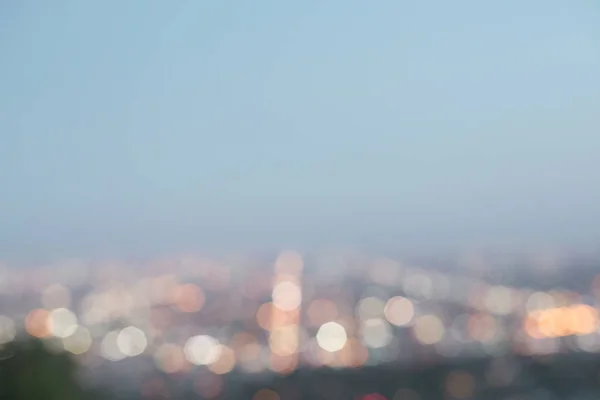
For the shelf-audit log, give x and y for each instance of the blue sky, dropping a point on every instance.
(149, 124)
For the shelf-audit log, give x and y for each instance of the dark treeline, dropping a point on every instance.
(29, 372)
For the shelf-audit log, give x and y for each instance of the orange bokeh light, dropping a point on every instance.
(579, 319)
(189, 298)
(354, 354)
(284, 364)
(225, 363)
(269, 316)
(37, 323)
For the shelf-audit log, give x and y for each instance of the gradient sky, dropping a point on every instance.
(141, 125)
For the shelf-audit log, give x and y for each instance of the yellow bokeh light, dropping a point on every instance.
(429, 329)
(79, 342)
(585, 319)
(284, 340)
(579, 319)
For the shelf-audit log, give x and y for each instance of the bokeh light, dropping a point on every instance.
(284, 340)
(37, 323)
(428, 329)
(109, 347)
(170, 358)
(189, 298)
(225, 363)
(79, 342)
(370, 307)
(287, 295)
(331, 336)
(8, 330)
(399, 311)
(275, 321)
(376, 333)
(62, 322)
(131, 341)
(202, 350)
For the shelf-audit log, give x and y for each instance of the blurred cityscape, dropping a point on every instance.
(196, 324)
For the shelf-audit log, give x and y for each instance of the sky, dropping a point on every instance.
(147, 125)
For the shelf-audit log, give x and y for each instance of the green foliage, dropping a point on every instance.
(28, 371)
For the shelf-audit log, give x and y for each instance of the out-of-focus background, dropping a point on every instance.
(393, 200)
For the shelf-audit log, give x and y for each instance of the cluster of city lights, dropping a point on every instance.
(282, 316)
